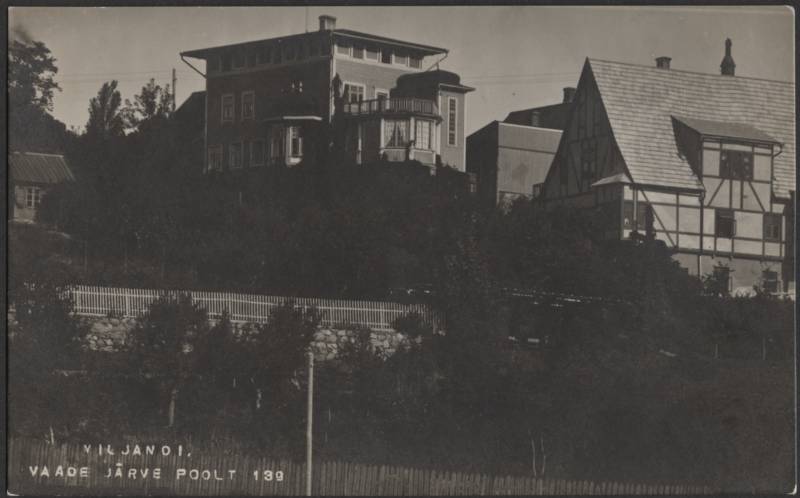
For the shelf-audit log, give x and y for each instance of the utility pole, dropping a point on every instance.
(174, 81)
(309, 420)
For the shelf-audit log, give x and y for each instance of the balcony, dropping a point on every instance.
(403, 105)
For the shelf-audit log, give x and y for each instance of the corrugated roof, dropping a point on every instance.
(641, 100)
(31, 167)
(723, 129)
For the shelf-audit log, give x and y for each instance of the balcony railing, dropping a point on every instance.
(408, 105)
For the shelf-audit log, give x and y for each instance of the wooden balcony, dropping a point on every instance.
(403, 105)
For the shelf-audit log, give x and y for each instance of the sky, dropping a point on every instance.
(515, 56)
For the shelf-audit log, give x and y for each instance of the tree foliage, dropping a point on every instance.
(106, 114)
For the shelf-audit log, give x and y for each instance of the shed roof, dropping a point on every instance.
(32, 167)
(726, 129)
(641, 100)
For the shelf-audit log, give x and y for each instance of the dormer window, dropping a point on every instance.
(736, 164)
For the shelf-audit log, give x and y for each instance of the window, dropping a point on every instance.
(257, 153)
(386, 56)
(354, 92)
(296, 87)
(238, 60)
(381, 94)
(423, 136)
(264, 55)
(640, 224)
(215, 158)
(226, 62)
(395, 132)
(314, 49)
(213, 64)
(235, 156)
(296, 145)
(277, 55)
(289, 51)
(358, 52)
(415, 62)
(769, 280)
(736, 164)
(276, 145)
(373, 54)
(33, 197)
(301, 51)
(401, 59)
(724, 223)
(537, 190)
(227, 108)
(721, 280)
(452, 115)
(248, 105)
(772, 227)
(251, 59)
(343, 49)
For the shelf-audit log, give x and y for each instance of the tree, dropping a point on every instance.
(106, 119)
(151, 103)
(31, 86)
(165, 342)
(31, 76)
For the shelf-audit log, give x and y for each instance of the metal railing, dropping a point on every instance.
(394, 105)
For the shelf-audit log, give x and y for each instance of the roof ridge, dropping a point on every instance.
(593, 59)
(37, 153)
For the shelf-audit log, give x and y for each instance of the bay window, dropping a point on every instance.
(423, 135)
(396, 132)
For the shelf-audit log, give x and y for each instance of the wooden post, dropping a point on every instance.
(309, 421)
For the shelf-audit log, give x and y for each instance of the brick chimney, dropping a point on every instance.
(728, 67)
(663, 62)
(327, 23)
(535, 118)
(569, 94)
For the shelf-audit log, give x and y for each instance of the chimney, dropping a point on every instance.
(569, 94)
(535, 118)
(327, 23)
(663, 62)
(728, 67)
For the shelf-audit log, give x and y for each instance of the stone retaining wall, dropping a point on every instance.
(112, 334)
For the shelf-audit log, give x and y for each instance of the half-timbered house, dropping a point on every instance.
(703, 162)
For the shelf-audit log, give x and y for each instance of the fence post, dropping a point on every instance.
(127, 303)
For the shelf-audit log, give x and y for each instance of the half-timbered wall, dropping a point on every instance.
(587, 153)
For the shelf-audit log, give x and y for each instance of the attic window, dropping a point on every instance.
(736, 164)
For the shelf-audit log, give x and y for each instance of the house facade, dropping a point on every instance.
(271, 102)
(31, 175)
(511, 158)
(703, 162)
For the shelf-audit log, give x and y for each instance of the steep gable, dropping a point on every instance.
(640, 102)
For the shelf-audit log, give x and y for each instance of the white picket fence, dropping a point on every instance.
(376, 315)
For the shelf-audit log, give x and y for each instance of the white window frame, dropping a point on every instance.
(33, 197)
(232, 107)
(340, 52)
(263, 152)
(214, 149)
(417, 123)
(420, 59)
(377, 52)
(452, 116)
(292, 131)
(231, 148)
(252, 116)
(360, 48)
(395, 61)
(359, 85)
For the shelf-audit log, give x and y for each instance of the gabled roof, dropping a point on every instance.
(722, 129)
(31, 167)
(641, 100)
